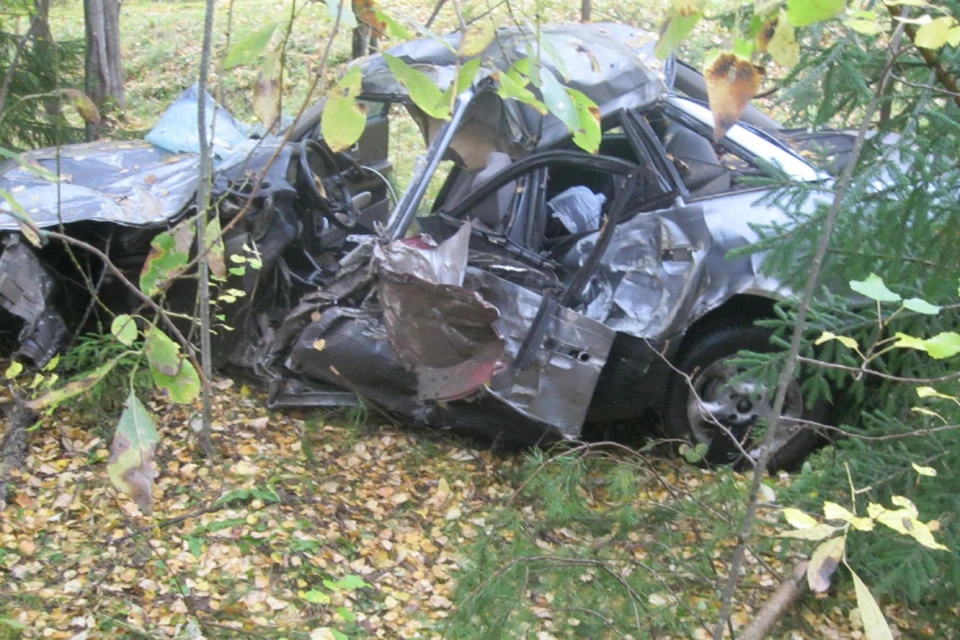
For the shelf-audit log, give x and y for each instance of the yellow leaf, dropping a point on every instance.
(819, 532)
(824, 562)
(874, 624)
(935, 33)
(833, 511)
(785, 50)
(84, 105)
(953, 39)
(846, 341)
(798, 519)
(688, 7)
(731, 83)
(924, 471)
(478, 37)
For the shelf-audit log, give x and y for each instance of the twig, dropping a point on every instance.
(879, 374)
(203, 206)
(786, 374)
(916, 433)
(930, 57)
(773, 609)
(435, 13)
(147, 300)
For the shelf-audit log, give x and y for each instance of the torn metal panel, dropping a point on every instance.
(27, 290)
(556, 384)
(651, 274)
(442, 330)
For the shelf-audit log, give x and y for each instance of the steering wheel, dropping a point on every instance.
(338, 210)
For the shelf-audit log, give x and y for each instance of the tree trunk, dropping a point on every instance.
(364, 41)
(586, 8)
(104, 72)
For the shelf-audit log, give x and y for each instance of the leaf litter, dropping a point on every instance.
(307, 526)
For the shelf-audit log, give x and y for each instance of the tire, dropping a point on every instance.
(739, 408)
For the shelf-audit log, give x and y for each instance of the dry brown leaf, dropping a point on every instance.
(731, 83)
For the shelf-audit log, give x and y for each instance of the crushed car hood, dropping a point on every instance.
(130, 183)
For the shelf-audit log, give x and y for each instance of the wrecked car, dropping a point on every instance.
(542, 290)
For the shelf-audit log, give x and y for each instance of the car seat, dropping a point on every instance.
(701, 170)
(493, 210)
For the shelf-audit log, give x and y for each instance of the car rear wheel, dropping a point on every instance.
(710, 404)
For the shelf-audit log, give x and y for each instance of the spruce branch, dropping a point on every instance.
(790, 366)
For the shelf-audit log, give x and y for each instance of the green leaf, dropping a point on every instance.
(170, 369)
(343, 118)
(195, 545)
(874, 288)
(347, 583)
(865, 22)
(163, 353)
(921, 306)
(943, 345)
(248, 49)
(935, 33)
(675, 30)
(165, 262)
(693, 455)
(72, 388)
(14, 370)
(511, 88)
(558, 100)
(266, 92)
(345, 8)
(874, 624)
(346, 614)
(124, 329)
(394, 29)
(802, 13)
(743, 47)
(14, 624)
(424, 93)
(587, 136)
(131, 465)
(316, 597)
(183, 387)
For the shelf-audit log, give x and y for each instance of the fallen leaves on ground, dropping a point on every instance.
(307, 526)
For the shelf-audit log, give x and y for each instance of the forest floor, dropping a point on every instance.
(306, 525)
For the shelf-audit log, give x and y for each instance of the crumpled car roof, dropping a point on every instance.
(613, 64)
(132, 183)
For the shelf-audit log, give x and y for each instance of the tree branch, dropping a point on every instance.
(790, 366)
(930, 57)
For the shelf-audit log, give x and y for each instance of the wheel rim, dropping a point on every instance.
(739, 405)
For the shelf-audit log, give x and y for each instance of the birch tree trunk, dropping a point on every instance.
(104, 71)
